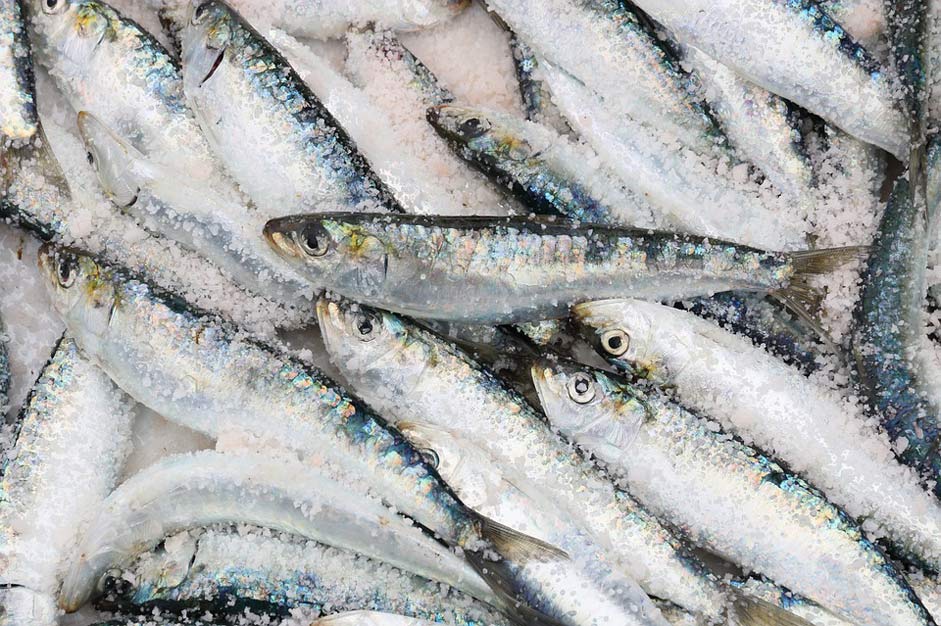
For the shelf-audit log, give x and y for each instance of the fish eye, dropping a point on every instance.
(66, 270)
(581, 389)
(472, 128)
(615, 342)
(366, 328)
(52, 7)
(313, 240)
(90, 158)
(200, 13)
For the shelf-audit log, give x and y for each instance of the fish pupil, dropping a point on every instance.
(581, 385)
(364, 327)
(52, 3)
(471, 128)
(614, 343)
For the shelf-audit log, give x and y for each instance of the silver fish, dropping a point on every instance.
(499, 270)
(388, 358)
(727, 497)
(207, 375)
(245, 93)
(537, 100)
(796, 50)
(72, 437)
(4, 370)
(18, 116)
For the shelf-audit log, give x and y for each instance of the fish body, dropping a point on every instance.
(798, 52)
(230, 571)
(863, 19)
(4, 370)
(537, 100)
(811, 612)
(71, 439)
(246, 94)
(756, 396)
(18, 116)
(607, 47)
(690, 197)
(546, 172)
(726, 496)
(33, 192)
(182, 491)
(500, 270)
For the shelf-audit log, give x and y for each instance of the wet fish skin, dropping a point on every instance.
(537, 100)
(502, 270)
(539, 166)
(18, 116)
(71, 439)
(680, 465)
(245, 93)
(4, 370)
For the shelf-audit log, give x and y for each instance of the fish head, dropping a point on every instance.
(21, 605)
(589, 407)
(70, 31)
(205, 39)
(112, 158)
(488, 136)
(621, 331)
(334, 252)
(82, 291)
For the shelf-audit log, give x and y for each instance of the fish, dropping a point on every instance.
(504, 270)
(247, 487)
(387, 358)
(227, 571)
(70, 441)
(546, 172)
(244, 93)
(535, 95)
(691, 197)
(727, 497)
(4, 369)
(809, 611)
(18, 116)
(109, 66)
(226, 235)
(612, 51)
(888, 334)
(325, 19)
(775, 407)
(605, 596)
(797, 51)
(34, 193)
(207, 375)
(864, 20)
(928, 589)
(907, 29)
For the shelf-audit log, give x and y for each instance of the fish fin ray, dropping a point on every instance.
(750, 611)
(499, 576)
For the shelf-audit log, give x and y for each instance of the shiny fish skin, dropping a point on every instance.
(277, 492)
(802, 607)
(500, 270)
(691, 199)
(537, 101)
(4, 370)
(395, 359)
(33, 192)
(245, 93)
(229, 571)
(18, 116)
(727, 497)
(205, 374)
(798, 52)
(606, 46)
(888, 335)
(545, 171)
(72, 437)
(762, 400)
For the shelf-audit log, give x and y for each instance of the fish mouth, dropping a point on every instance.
(215, 66)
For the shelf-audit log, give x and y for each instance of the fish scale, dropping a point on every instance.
(18, 116)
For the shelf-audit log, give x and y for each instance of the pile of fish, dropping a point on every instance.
(654, 345)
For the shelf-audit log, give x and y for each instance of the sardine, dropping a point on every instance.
(207, 375)
(545, 171)
(607, 47)
(809, 611)
(729, 498)
(4, 370)
(388, 358)
(72, 437)
(499, 270)
(225, 571)
(796, 50)
(863, 19)
(756, 396)
(691, 197)
(18, 117)
(537, 100)
(246, 94)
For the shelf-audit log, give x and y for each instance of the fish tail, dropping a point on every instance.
(803, 298)
(746, 610)
(514, 549)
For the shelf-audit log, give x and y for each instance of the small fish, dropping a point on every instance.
(607, 47)
(277, 492)
(796, 50)
(229, 571)
(728, 498)
(501, 270)
(545, 171)
(4, 370)
(33, 191)
(18, 116)
(537, 100)
(388, 358)
(71, 439)
(802, 607)
(207, 375)
(756, 396)
(246, 94)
